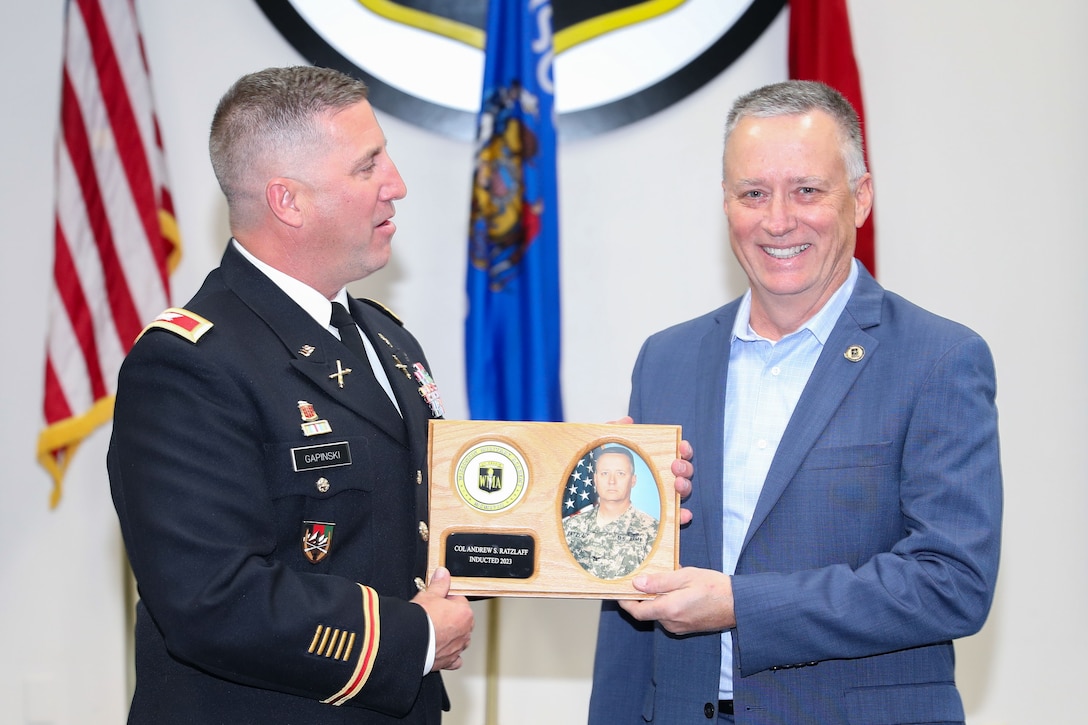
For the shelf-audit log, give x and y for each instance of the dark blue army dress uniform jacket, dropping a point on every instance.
(275, 521)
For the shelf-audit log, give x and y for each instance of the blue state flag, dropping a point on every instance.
(512, 328)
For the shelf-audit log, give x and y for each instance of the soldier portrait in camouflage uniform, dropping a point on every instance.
(612, 538)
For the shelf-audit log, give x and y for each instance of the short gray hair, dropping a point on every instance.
(621, 450)
(792, 98)
(269, 116)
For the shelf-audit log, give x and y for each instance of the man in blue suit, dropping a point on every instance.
(847, 496)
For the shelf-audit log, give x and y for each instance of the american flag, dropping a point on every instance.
(580, 493)
(116, 238)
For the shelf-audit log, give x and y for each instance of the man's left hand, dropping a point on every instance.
(689, 600)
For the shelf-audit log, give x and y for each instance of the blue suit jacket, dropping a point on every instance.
(874, 543)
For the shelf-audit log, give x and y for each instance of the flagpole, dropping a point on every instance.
(491, 671)
(512, 330)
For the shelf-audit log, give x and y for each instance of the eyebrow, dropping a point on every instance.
(369, 155)
(796, 180)
(809, 180)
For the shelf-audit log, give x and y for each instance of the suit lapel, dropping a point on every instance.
(831, 379)
(313, 349)
(397, 363)
(712, 370)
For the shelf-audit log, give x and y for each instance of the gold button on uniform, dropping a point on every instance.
(322, 484)
(424, 532)
(419, 477)
(420, 585)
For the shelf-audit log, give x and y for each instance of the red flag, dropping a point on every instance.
(116, 238)
(821, 50)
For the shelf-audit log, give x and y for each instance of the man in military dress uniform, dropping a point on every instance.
(268, 459)
(613, 538)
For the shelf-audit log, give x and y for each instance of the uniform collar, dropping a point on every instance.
(313, 302)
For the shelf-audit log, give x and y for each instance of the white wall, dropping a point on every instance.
(976, 113)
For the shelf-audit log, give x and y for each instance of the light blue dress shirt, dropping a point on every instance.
(764, 382)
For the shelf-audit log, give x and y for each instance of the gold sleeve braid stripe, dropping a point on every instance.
(368, 649)
(329, 642)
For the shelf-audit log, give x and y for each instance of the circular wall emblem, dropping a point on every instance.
(616, 61)
(491, 477)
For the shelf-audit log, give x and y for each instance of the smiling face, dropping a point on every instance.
(347, 194)
(792, 215)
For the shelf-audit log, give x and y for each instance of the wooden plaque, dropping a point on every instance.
(512, 514)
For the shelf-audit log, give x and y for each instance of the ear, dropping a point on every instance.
(863, 199)
(281, 194)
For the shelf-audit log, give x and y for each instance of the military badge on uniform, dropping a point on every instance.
(332, 642)
(316, 540)
(398, 364)
(311, 424)
(402, 367)
(181, 322)
(329, 455)
(428, 390)
(338, 376)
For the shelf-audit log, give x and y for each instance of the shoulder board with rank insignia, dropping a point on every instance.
(378, 305)
(181, 322)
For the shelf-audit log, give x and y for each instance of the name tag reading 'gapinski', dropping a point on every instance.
(328, 455)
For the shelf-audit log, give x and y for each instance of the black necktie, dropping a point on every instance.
(351, 336)
(349, 333)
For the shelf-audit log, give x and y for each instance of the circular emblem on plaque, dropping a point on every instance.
(491, 477)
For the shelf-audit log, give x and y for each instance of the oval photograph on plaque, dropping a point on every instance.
(617, 61)
(610, 507)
